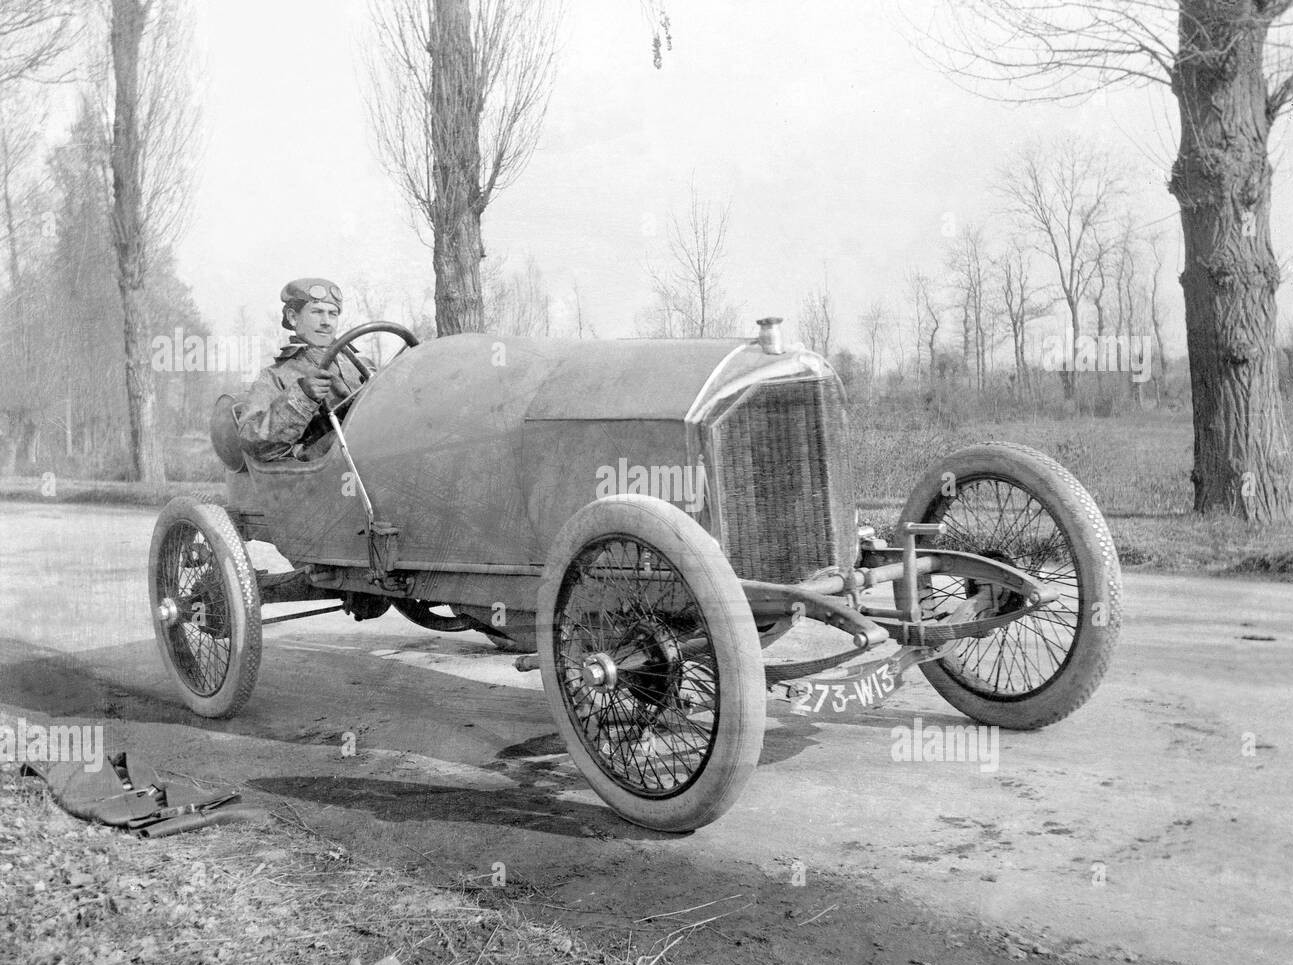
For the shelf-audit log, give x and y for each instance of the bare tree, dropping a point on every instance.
(576, 296)
(816, 319)
(75, 367)
(517, 303)
(966, 260)
(1119, 296)
(1130, 296)
(419, 307)
(19, 127)
(926, 316)
(21, 120)
(661, 34)
(1226, 62)
(1107, 255)
(34, 34)
(875, 320)
(1022, 302)
(1155, 302)
(1063, 196)
(154, 122)
(458, 90)
(688, 293)
(371, 298)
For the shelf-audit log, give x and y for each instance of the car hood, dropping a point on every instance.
(669, 379)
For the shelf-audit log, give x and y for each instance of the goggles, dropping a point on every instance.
(320, 293)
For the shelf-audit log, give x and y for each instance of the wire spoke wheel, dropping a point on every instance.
(651, 662)
(1018, 506)
(1002, 521)
(637, 666)
(199, 639)
(206, 606)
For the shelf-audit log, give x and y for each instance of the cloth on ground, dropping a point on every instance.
(129, 794)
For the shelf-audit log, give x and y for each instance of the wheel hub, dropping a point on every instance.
(649, 670)
(600, 673)
(167, 612)
(1003, 600)
(198, 554)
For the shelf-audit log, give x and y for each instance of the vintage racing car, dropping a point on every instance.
(640, 518)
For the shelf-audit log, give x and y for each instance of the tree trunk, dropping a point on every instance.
(978, 352)
(966, 341)
(22, 411)
(21, 454)
(11, 226)
(457, 105)
(1068, 378)
(9, 461)
(1156, 319)
(128, 18)
(1222, 180)
(1098, 299)
(1021, 366)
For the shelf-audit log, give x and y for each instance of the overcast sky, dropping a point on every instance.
(839, 149)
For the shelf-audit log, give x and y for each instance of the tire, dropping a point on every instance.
(686, 674)
(212, 652)
(1015, 504)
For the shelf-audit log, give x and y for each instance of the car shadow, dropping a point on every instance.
(313, 699)
(393, 708)
(796, 733)
(84, 684)
(533, 808)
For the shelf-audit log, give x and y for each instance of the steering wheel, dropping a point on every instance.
(342, 344)
(359, 331)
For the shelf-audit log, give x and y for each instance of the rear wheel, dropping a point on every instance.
(1016, 505)
(650, 662)
(206, 607)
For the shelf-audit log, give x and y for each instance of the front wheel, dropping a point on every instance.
(650, 662)
(1016, 505)
(206, 606)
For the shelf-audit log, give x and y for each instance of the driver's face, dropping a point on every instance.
(316, 322)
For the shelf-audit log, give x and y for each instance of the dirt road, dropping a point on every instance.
(1153, 823)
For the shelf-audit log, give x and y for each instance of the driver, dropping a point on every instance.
(281, 416)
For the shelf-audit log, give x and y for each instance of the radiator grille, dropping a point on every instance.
(784, 483)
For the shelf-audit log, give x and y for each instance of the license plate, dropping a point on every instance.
(868, 686)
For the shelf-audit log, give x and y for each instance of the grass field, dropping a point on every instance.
(1137, 467)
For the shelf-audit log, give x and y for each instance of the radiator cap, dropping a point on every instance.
(770, 336)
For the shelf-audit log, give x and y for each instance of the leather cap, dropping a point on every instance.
(309, 290)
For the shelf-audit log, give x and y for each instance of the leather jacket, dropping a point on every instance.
(275, 420)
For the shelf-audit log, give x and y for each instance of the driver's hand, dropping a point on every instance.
(319, 383)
